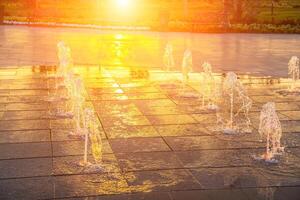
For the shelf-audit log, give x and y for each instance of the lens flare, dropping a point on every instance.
(123, 3)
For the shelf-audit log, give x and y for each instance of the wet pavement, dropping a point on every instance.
(261, 54)
(156, 144)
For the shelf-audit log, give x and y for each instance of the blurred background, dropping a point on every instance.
(254, 53)
(157, 14)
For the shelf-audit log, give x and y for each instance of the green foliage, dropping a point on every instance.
(265, 28)
(244, 28)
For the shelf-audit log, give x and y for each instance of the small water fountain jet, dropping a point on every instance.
(234, 106)
(65, 63)
(168, 61)
(270, 128)
(294, 75)
(168, 57)
(294, 72)
(64, 84)
(77, 100)
(92, 138)
(187, 65)
(209, 87)
(62, 108)
(62, 60)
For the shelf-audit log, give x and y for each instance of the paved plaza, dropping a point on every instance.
(157, 145)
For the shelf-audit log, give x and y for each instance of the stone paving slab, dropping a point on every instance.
(148, 161)
(72, 148)
(69, 165)
(207, 143)
(234, 177)
(182, 130)
(90, 185)
(162, 180)
(291, 126)
(156, 144)
(65, 124)
(138, 145)
(127, 120)
(116, 108)
(131, 131)
(274, 193)
(214, 158)
(27, 115)
(25, 150)
(61, 135)
(26, 106)
(18, 168)
(19, 125)
(158, 110)
(27, 188)
(171, 119)
(24, 136)
(134, 196)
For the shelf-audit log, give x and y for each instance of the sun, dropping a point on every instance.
(123, 3)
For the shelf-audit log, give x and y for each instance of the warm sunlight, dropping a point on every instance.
(150, 99)
(123, 3)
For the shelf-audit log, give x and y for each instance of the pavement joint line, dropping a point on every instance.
(7, 130)
(123, 172)
(185, 190)
(24, 89)
(169, 146)
(99, 119)
(23, 131)
(25, 158)
(52, 161)
(20, 110)
(126, 153)
(11, 130)
(156, 124)
(182, 150)
(24, 119)
(169, 192)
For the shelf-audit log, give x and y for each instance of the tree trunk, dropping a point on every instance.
(185, 8)
(225, 17)
(1, 14)
(272, 11)
(238, 11)
(32, 5)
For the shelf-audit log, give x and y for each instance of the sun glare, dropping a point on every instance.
(123, 3)
(119, 36)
